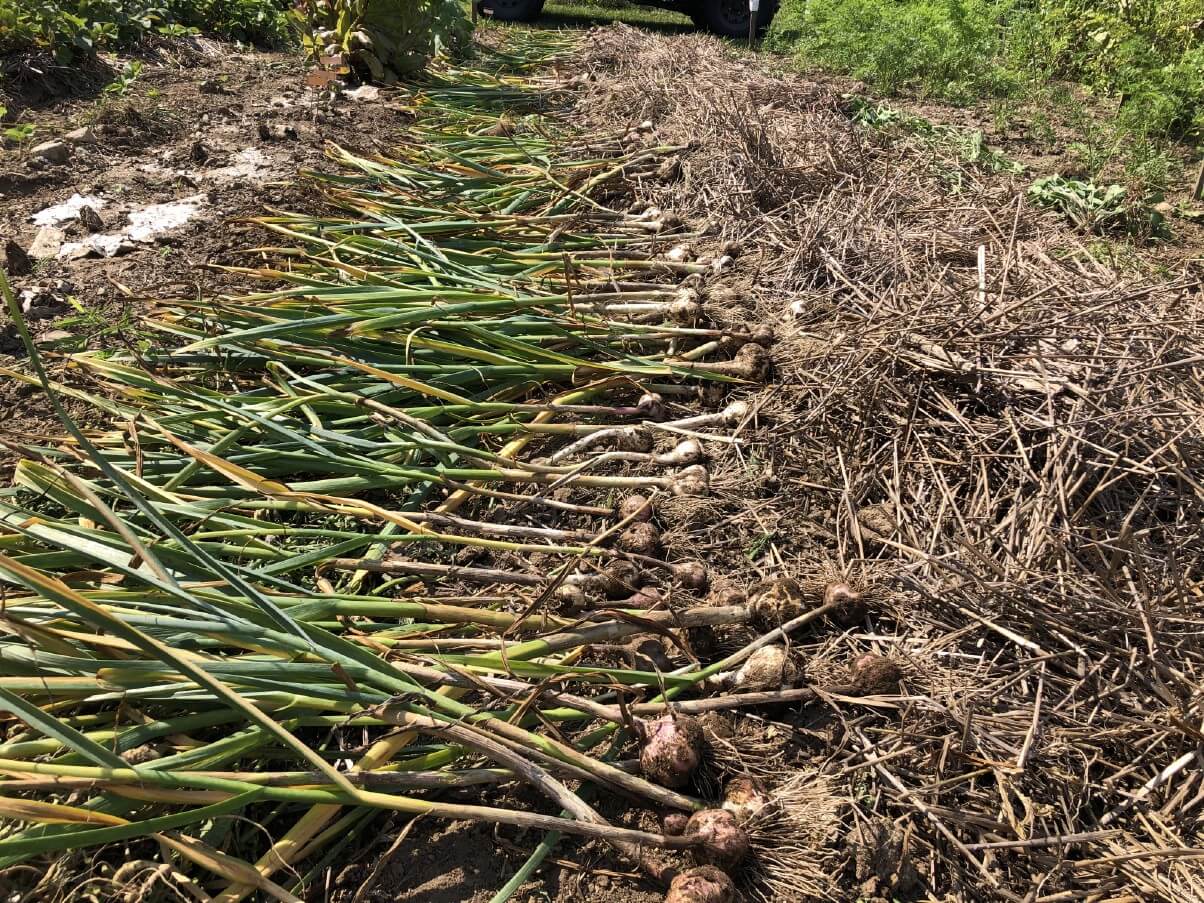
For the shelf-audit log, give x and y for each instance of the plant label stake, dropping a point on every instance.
(753, 7)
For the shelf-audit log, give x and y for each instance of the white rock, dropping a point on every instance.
(76, 250)
(82, 135)
(363, 93)
(46, 243)
(149, 222)
(52, 151)
(113, 244)
(67, 211)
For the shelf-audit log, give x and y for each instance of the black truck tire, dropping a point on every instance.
(729, 18)
(511, 10)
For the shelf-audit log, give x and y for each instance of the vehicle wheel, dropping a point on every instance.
(512, 10)
(729, 18)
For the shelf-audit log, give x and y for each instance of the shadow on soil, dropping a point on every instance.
(567, 19)
(31, 81)
(562, 16)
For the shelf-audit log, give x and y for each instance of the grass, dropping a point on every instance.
(1120, 86)
(585, 15)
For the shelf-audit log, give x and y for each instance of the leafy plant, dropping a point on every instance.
(74, 29)
(1097, 208)
(125, 80)
(17, 134)
(383, 39)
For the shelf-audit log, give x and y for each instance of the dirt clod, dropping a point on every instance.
(90, 219)
(15, 261)
(776, 601)
(882, 862)
(874, 675)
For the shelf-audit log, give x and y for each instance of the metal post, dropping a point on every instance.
(753, 7)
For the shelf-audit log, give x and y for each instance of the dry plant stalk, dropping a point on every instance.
(1023, 458)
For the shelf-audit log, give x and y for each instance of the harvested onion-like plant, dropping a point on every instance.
(769, 668)
(717, 838)
(671, 749)
(252, 563)
(703, 884)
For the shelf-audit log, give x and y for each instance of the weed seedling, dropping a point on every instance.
(122, 84)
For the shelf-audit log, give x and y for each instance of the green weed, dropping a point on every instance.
(965, 145)
(75, 29)
(125, 80)
(1099, 208)
(91, 326)
(17, 134)
(1125, 76)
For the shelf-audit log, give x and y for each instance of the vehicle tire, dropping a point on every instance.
(729, 18)
(511, 10)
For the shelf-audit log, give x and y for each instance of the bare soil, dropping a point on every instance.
(227, 128)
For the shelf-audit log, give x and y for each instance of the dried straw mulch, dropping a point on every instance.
(1008, 453)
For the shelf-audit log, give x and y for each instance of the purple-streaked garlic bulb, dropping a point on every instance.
(691, 574)
(651, 406)
(672, 749)
(851, 608)
(719, 839)
(704, 884)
